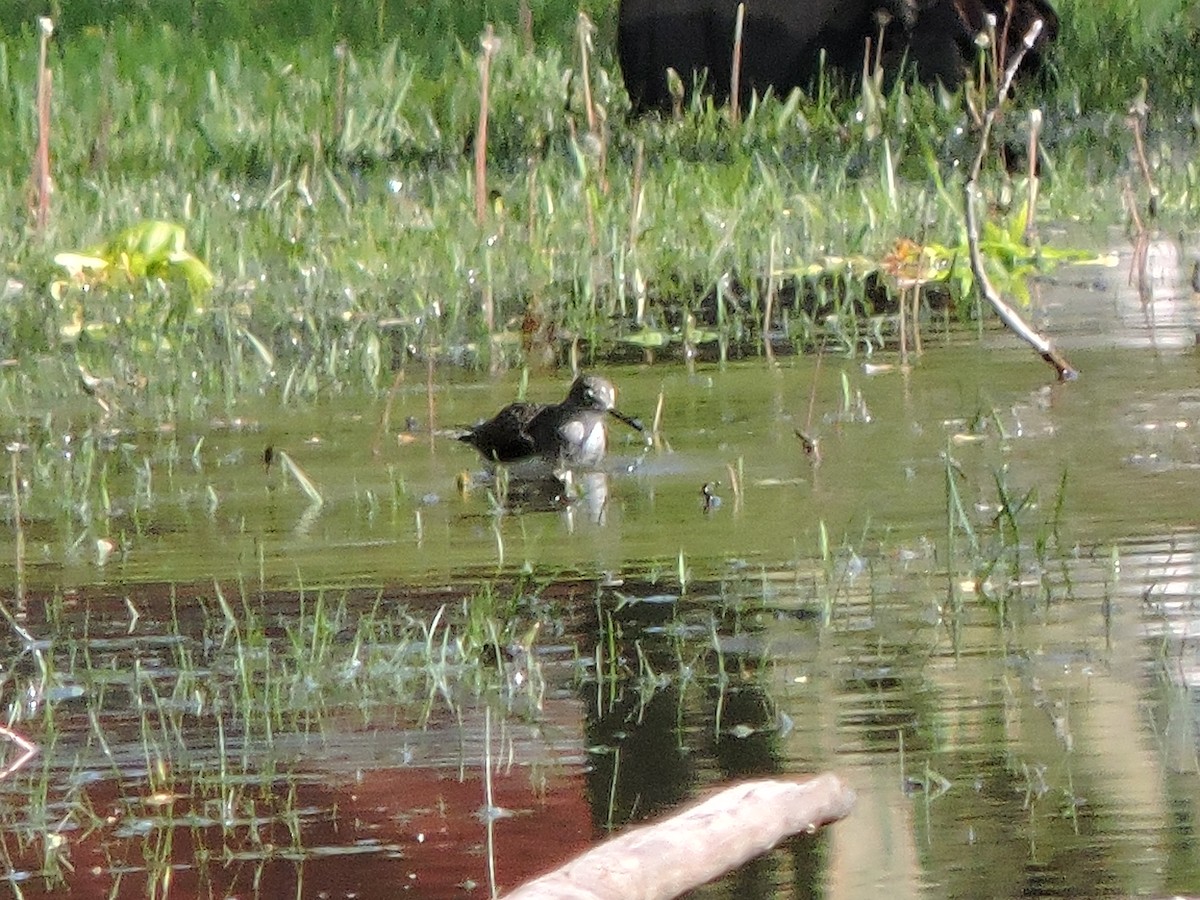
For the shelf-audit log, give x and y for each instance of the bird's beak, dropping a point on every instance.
(635, 424)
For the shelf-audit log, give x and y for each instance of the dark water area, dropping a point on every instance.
(979, 610)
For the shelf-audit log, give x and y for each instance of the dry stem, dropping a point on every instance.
(735, 70)
(41, 161)
(489, 44)
(1008, 314)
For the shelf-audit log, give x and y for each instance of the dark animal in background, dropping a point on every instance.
(783, 39)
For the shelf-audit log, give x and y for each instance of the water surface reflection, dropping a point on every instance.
(980, 609)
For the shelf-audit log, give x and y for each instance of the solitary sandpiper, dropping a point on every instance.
(552, 437)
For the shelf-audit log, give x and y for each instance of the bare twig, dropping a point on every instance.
(18, 525)
(532, 201)
(489, 44)
(916, 315)
(588, 208)
(735, 69)
(812, 390)
(525, 18)
(769, 303)
(735, 484)
(1137, 124)
(585, 31)
(1139, 263)
(809, 441)
(98, 152)
(656, 426)
(1008, 314)
(341, 50)
(998, 42)
(635, 193)
(430, 404)
(1035, 130)
(385, 420)
(677, 91)
(873, 67)
(41, 161)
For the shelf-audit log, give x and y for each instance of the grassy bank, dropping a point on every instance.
(331, 192)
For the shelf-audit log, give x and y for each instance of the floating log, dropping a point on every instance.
(669, 857)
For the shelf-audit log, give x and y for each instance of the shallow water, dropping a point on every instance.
(257, 696)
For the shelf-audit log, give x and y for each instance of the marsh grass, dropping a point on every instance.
(1008, 549)
(341, 226)
(331, 194)
(205, 706)
(201, 715)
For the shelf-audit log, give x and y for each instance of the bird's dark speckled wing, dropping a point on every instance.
(505, 437)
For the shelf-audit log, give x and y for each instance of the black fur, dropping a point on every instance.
(783, 39)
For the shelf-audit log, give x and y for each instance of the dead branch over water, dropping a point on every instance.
(1008, 314)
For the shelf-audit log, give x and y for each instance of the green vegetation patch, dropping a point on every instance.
(328, 184)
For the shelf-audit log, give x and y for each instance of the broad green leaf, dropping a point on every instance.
(648, 338)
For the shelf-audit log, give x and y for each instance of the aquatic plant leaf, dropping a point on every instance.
(151, 249)
(694, 335)
(1080, 257)
(197, 275)
(647, 338)
(80, 264)
(152, 240)
(1016, 228)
